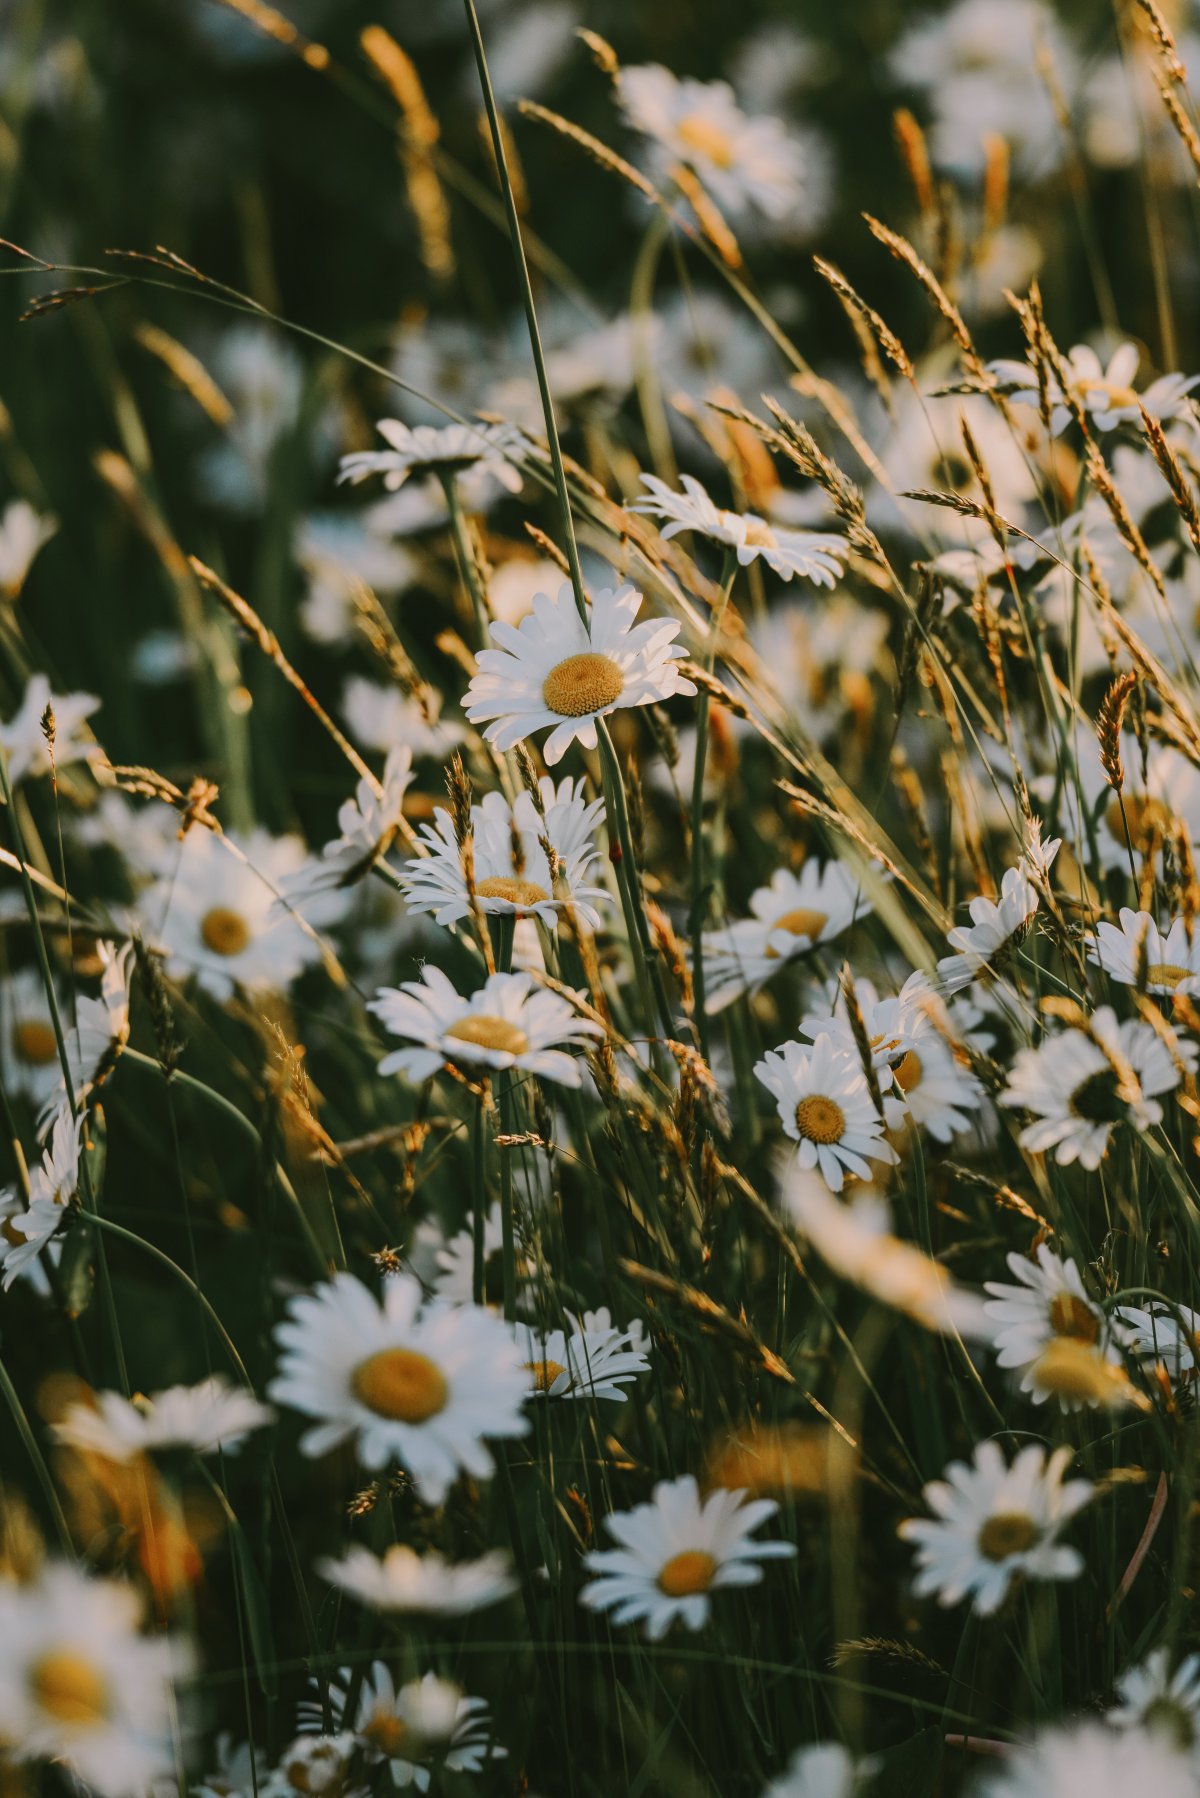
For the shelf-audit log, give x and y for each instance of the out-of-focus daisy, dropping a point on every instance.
(24, 741)
(675, 1551)
(1137, 953)
(512, 873)
(894, 1023)
(742, 161)
(81, 1686)
(1050, 1301)
(823, 1770)
(210, 1416)
(23, 532)
(1166, 1335)
(100, 1029)
(595, 1360)
(813, 555)
(386, 719)
(368, 825)
(145, 834)
(53, 1183)
(856, 1242)
(1162, 1701)
(427, 1723)
(1089, 1760)
(316, 1764)
(405, 1581)
(820, 661)
(514, 583)
(996, 927)
(29, 1046)
(826, 1108)
(447, 452)
(339, 555)
(789, 917)
(419, 1386)
(1080, 1084)
(1105, 393)
(993, 1522)
(216, 917)
(263, 376)
(453, 1273)
(507, 1023)
(934, 1092)
(239, 1772)
(554, 670)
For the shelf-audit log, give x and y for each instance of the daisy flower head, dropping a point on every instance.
(512, 872)
(675, 1551)
(24, 741)
(934, 1092)
(827, 1109)
(1104, 392)
(452, 1275)
(1080, 1084)
(997, 926)
(1089, 1760)
(99, 1030)
(404, 1581)
(416, 1385)
(507, 1023)
(210, 1416)
(1162, 1335)
(368, 825)
(23, 532)
(741, 161)
(815, 556)
(1048, 1303)
(385, 718)
(414, 1727)
(29, 1057)
(79, 1683)
(993, 1522)
(1137, 953)
(554, 671)
(318, 1764)
(53, 1183)
(593, 1360)
(446, 451)
(1162, 1701)
(823, 1770)
(788, 918)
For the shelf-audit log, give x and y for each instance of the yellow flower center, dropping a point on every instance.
(1166, 973)
(544, 1373)
(1071, 1316)
(907, 1074)
(485, 1032)
(760, 535)
(801, 922)
(1117, 396)
(386, 1732)
(402, 1384)
(72, 1690)
(701, 136)
(522, 893)
(223, 931)
(819, 1119)
(582, 684)
(1007, 1533)
(687, 1573)
(34, 1042)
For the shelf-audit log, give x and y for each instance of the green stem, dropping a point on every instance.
(641, 948)
(479, 1203)
(700, 889)
(38, 1460)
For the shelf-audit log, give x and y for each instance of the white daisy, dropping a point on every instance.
(216, 916)
(80, 1686)
(53, 1183)
(742, 161)
(1162, 1702)
(1106, 394)
(26, 1254)
(1050, 1302)
(555, 670)
(993, 1522)
(100, 1028)
(826, 1108)
(1138, 952)
(207, 1417)
(386, 718)
(23, 739)
(813, 555)
(453, 1273)
(405, 1581)
(1080, 1084)
(512, 873)
(507, 1023)
(1164, 1335)
(594, 1361)
(339, 557)
(368, 825)
(996, 927)
(427, 1723)
(144, 833)
(29, 1047)
(316, 1764)
(790, 917)
(23, 532)
(674, 1552)
(824, 1770)
(421, 1386)
(935, 1092)
(448, 451)
(1088, 1760)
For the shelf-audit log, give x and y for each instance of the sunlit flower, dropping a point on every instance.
(421, 1386)
(813, 555)
(25, 743)
(1138, 954)
(1049, 1301)
(826, 1107)
(997, 926)
(386, 718)
(993, 1522)
(446, 451)
(1106, 394)
(427, 1723)
(507, 1023)
(788, 918)
(405, 1581)
(1163, 1335)
(1162, 1701)
(53, 1183)
(512, 874)
(554, 670)
(368, 824)
(23, 532)
(100, 1028)
(210, 1416)
(1088, 1760)
(675, 1551)
(595, 1360)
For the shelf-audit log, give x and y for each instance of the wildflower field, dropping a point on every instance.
(599, 915)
